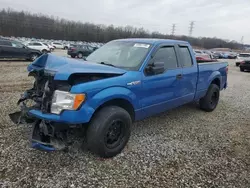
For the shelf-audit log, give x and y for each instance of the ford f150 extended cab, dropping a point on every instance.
(121, 82)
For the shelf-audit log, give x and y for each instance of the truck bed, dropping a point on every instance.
(207, 71)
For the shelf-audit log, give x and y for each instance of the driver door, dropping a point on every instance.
(161, 91)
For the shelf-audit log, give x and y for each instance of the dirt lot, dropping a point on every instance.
(184, 147)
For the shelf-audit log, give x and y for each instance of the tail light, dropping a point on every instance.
(242, 62)
(199, 58)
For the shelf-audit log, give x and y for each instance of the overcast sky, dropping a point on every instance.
(227, 19)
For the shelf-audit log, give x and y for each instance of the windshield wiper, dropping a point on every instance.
(109, 64)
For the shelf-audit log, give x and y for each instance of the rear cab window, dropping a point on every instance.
(185, 56)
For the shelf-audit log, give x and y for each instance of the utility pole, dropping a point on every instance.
(191, 28)
(242, 42)
(173, 29)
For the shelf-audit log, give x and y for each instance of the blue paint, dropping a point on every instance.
(153, 94)
(42, 147)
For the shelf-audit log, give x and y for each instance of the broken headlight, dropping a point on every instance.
(63, 100)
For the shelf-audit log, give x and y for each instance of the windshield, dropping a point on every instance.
(122, 54)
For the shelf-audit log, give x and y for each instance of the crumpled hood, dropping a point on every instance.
(63, 67)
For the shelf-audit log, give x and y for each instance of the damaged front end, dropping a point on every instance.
(53, 74)
(45, 135)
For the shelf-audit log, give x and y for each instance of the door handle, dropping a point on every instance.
(179, 76)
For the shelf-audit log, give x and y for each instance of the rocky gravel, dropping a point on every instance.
(184, 147)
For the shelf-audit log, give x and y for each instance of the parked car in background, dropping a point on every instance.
(241, 58)
(50, 46)
(124, 81)
(66, 46)
(57, 45)
(15, 49)
(232, 55)
(201, 56)
(80, 51)
(216, 55)
(38, 46)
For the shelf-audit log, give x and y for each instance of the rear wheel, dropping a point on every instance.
(73, 56)
(80, 55)
(209, 102)
(109, 131)
(242, 69)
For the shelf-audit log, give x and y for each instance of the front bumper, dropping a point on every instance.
(83, 115)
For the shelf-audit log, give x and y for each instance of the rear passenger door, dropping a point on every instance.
(159, 91)
(188, 83)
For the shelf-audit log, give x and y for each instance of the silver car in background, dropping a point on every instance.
(241, 58)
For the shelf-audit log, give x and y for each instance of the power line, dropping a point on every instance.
(173, 29)
(191, 28)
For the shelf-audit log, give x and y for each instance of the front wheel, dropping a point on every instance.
(33, 56)
(109, 131)
(209, 102)
(241, 69)
(44, 51)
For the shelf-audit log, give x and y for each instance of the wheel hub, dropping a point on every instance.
(114, 134)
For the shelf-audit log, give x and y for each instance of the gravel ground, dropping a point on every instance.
(184, 147)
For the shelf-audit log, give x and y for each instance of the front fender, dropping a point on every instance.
(113, 93)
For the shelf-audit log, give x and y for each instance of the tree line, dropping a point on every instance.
(25, 24)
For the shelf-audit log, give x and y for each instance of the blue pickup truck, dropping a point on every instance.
(123, 81)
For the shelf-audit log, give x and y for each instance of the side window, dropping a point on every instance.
(37, 44)
(166, 55)
(16, 45)
(185, 56)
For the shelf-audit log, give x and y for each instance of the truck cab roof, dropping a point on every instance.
(154, 41)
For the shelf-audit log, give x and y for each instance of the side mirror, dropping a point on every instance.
(155, 68)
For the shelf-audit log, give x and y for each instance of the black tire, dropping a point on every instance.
(33, 56)
(209, 102)
(242, 69)
(73, 56)
(80, 55)
(108, 124)
(65, 48)
(44, 51)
